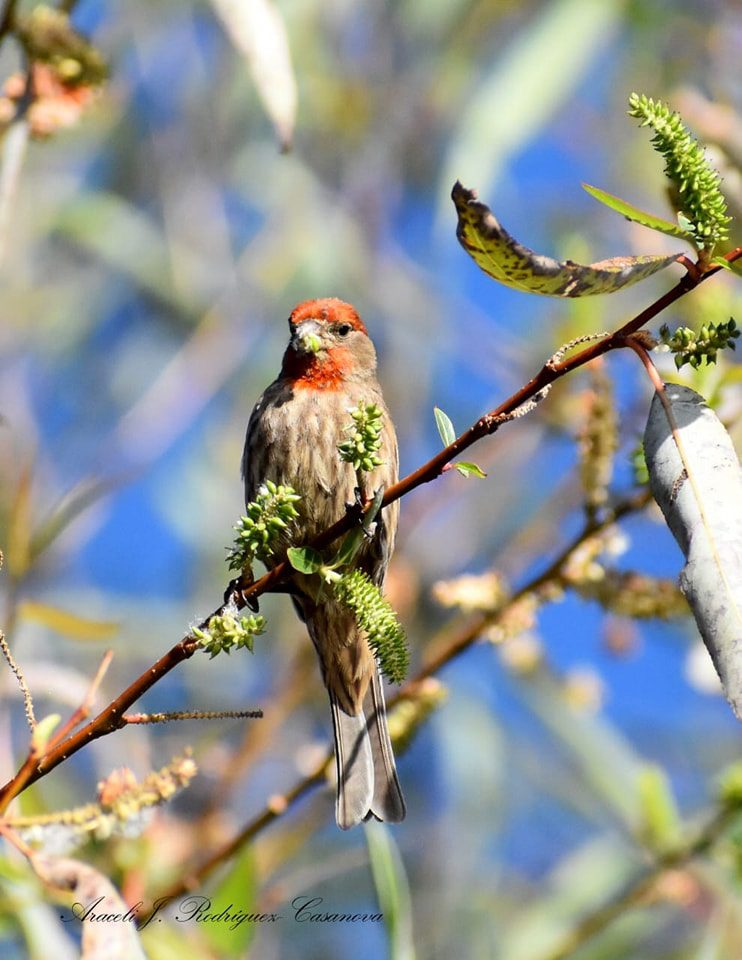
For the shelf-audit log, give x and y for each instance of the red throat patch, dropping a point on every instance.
(317, 373)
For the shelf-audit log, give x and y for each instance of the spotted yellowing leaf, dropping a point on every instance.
(505, 259)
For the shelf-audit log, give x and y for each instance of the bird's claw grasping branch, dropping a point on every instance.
(238, 588)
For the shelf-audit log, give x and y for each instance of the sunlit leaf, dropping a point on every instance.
(445, 427)
(69, 624)
(239, 887)
(67, 510)
(505, 259)
(695, 477)
(631, 212)
(18, 546)
(660, 827)
(392, 889)
(258, 31)
(470, 469)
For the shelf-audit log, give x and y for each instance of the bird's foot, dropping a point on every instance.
(237, 588)
(369, 518)
(354, 510)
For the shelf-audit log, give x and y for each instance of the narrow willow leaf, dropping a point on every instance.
(18, 544)
(239, 886)
(695, 477)
(631, 212)
(470, 470)
(724, 264)
(392, 889)
(304, 559)
(348, 548)
(68, 624)
(84, 495)
(505, 259)
(258, 31)
(661, 827)
(445, 427)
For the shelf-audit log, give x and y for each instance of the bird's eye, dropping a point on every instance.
(344, 329)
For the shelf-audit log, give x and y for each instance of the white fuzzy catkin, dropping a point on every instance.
(698, 485)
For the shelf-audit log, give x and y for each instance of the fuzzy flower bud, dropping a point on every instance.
(691, 347)
(226, 632)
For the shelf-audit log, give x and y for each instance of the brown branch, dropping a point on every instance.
(649, 366)
(112, 718)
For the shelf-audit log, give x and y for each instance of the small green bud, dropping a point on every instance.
(364, 438)
(225, 633)
(263, 523)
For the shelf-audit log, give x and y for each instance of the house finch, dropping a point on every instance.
(292, 438)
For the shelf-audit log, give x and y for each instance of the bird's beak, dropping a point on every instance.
(305, 338)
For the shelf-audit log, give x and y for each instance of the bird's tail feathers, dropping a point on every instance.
(367, 782)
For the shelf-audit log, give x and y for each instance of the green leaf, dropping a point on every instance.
(67, 623)
(392, 889)
(348, 548)
(84, 495)
(304, 559)
(238, 888)
(631, 212)
(470, 469)
(661, 827)
(445, 427)
(515, 265)
(43, 731)
(724, 264)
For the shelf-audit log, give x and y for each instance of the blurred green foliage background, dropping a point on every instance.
(151, 253)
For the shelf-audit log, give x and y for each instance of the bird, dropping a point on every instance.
(292, 438)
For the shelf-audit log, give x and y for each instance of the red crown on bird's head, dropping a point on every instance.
(328, 310)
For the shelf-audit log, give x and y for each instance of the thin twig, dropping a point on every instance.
(649, 366)
(12, 837)
(83, 711)
(27, 698)
(134, 718)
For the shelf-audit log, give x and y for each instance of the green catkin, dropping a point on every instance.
(378, 621)
(686, 166)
